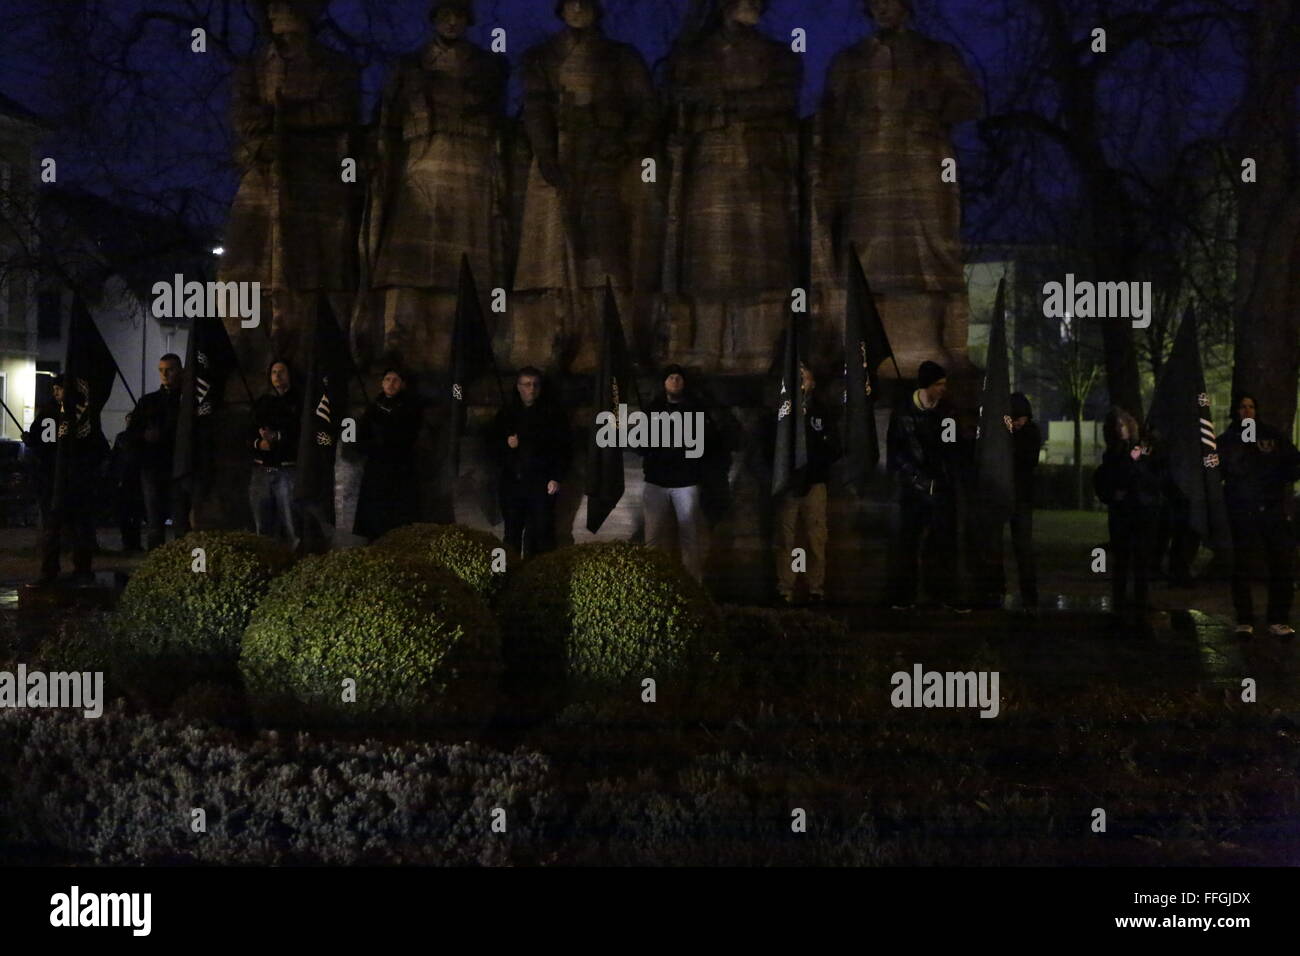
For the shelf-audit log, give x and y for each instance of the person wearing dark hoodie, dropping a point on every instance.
(1129, 482)
(1026, 443)
(806, 499)
(925, 467)
(1259, 471)
(387, 433)
(277, 417)
(152, 433)
(531, 439)
(673, 481)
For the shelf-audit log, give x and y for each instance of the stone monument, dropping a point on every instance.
(885, 184)
(590, 116)
(733, 249)
(439, 193)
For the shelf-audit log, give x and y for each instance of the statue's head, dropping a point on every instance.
(580, 14)
(293, 18)
(745, 12)
(889, 14)
(451, 18)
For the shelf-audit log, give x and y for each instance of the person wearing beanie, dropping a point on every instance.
(673, 482)
(1129, 481)
(925, 467)
(386, 436)
(806, 499)
(277, 417)
(1259, 471)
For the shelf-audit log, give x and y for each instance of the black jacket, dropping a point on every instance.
(83, 440)
(669, 467)
(1026, 443)
(924, 463)
(823, 448)
(389, 428)
(1257, 474)
(1126, 484)
(544, 447)
(158, 410)
(280, 413)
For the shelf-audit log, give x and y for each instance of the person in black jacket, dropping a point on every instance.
(1026, 443)
(273, 440)
(531, 436)
(153, 436)
(1258, 476)
(673, 488)
(925, 467)
(76, 429)
(128, 501)
(388, 431)
(806, 498)
(1129, 481)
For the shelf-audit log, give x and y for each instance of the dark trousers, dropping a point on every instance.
(1022, 542)
(932, 519)
(130, 512)
(76, 521)
(1132, 551)
(1263, 545)
(529, 514)
(163, 498)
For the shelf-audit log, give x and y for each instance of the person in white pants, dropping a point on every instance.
(673, 481)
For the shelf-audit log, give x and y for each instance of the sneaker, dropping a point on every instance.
(1281, 630)
(958, 608)
(1243, 630)
(902, 607)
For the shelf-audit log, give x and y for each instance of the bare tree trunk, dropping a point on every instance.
(1268, 256)
(1078, 455)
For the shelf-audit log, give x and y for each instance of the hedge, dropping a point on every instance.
(170, 610)
(599, 617)
(419, 644)
(464, 552)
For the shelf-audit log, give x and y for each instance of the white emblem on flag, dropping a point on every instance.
(457, 393)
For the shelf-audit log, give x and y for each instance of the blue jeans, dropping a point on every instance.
(270, 493)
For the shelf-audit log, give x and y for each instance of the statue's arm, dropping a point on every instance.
(643, 103)
(539, 114)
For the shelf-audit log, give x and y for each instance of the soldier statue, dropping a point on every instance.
(439, 193)
(888, 179)
(590, 117)
(734, 254)
(293, 223)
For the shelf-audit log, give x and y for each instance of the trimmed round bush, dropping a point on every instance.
(171, 610)
(605, 616)
(421, 646)
(464, 552)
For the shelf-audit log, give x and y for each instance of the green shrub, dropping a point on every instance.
(420, 645)
(597, 617)
(169, 610)
(464, 552)
(119, 789)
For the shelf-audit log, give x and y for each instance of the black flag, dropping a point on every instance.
(325, 400)
(471, 355)
(209, 361)
(865, 346)
(994, 449)
(791, 423)
(615, 385)
(89, 371)
(1181, 422)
